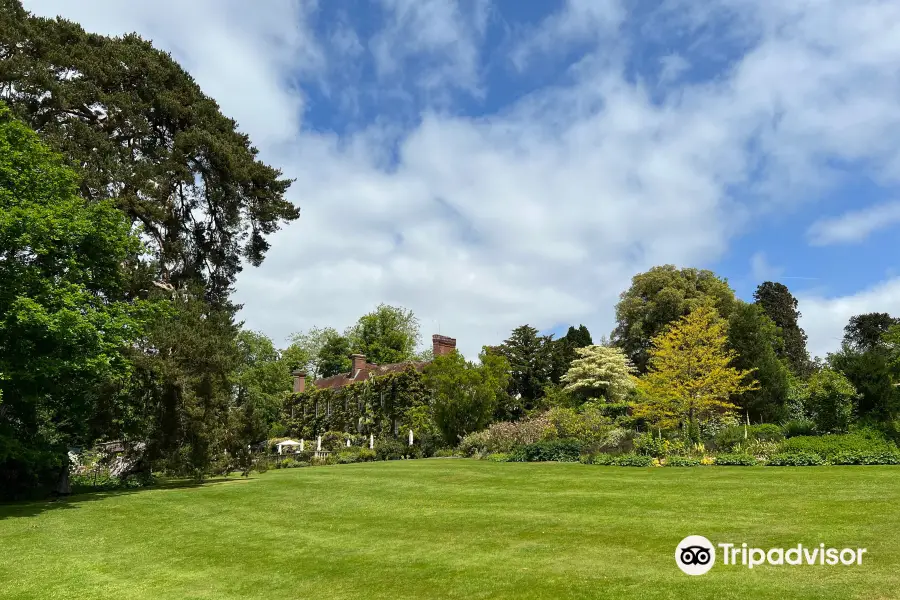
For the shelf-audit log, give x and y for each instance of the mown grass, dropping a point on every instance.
(456, 529)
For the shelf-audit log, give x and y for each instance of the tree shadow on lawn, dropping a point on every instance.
(12, 510)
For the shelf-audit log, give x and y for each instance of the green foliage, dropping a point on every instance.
(828, 446)
(600, 372)
(357, 454)
(865, 457)
(563, 351)
(66, 321)
(798, 427)
(386, 335)
(499, 457)
(333, 356)
(648, 444)
(465, 394)
(531, 359)
(872, 375)
(690, 378)
(505, 437)
(756, 342)
(735, 460)
(559, 450)
(659, 297)
(682, 461)
(828, 398)
(864, 333)
(619, 460)
(261, 384)
(319, 352)
(799, 458)
(144, 135)
(390, 449)
(781, 306)
(378, 406)
(730, 437)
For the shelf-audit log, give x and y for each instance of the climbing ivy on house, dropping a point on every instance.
(384, 406)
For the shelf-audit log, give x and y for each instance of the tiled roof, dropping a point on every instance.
(369, 370)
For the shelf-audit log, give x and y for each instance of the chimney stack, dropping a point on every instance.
(441, 345)
(299, 381)
(357, 361)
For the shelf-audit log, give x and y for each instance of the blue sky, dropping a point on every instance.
(489, 163)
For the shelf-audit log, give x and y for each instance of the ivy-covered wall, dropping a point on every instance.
(385, 406)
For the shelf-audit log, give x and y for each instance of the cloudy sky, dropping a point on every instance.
(488, 163)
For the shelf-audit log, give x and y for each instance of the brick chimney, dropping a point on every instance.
(357, 362)
(299, 381)
(441, 345)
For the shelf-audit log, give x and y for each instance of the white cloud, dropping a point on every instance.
(436, 31)
(579, 21)
(824, 318)
(542, 212)
(854, 226)
(672, 66)
(761, 269)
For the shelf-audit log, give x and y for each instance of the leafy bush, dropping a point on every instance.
(613, 409)
(853, 457)
(758, 448)
(800, 458)
(653, 445)
(735, 460)
(505, 436)
(446, 453)
(565, 450)
(354, 455)
(389, 449)
(632, 460)
(798, 427)
(682, 461)
(498, 457)
(617, 460)
(827, 446)
(730, 437)
(828, 399)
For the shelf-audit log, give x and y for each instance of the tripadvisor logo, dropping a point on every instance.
(696, 555)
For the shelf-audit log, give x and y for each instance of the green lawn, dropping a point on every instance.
(456, 529)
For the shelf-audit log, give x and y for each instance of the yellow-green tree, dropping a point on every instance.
(690, 377)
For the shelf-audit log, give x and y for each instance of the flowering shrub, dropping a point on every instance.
(506, 436)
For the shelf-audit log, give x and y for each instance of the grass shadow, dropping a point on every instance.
(33, 508)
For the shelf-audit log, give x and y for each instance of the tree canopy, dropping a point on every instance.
(690, 377)
(465, 394)
(781, 306)
(659, 297)
(143, 134)
(600, 372)
(389, 334)
(865, 332)
(756, 342)
(65, 321)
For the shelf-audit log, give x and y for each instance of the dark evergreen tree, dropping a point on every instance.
(530, 358)
(781, 306)
(865, 332)
(142, 133)
(757, 341)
